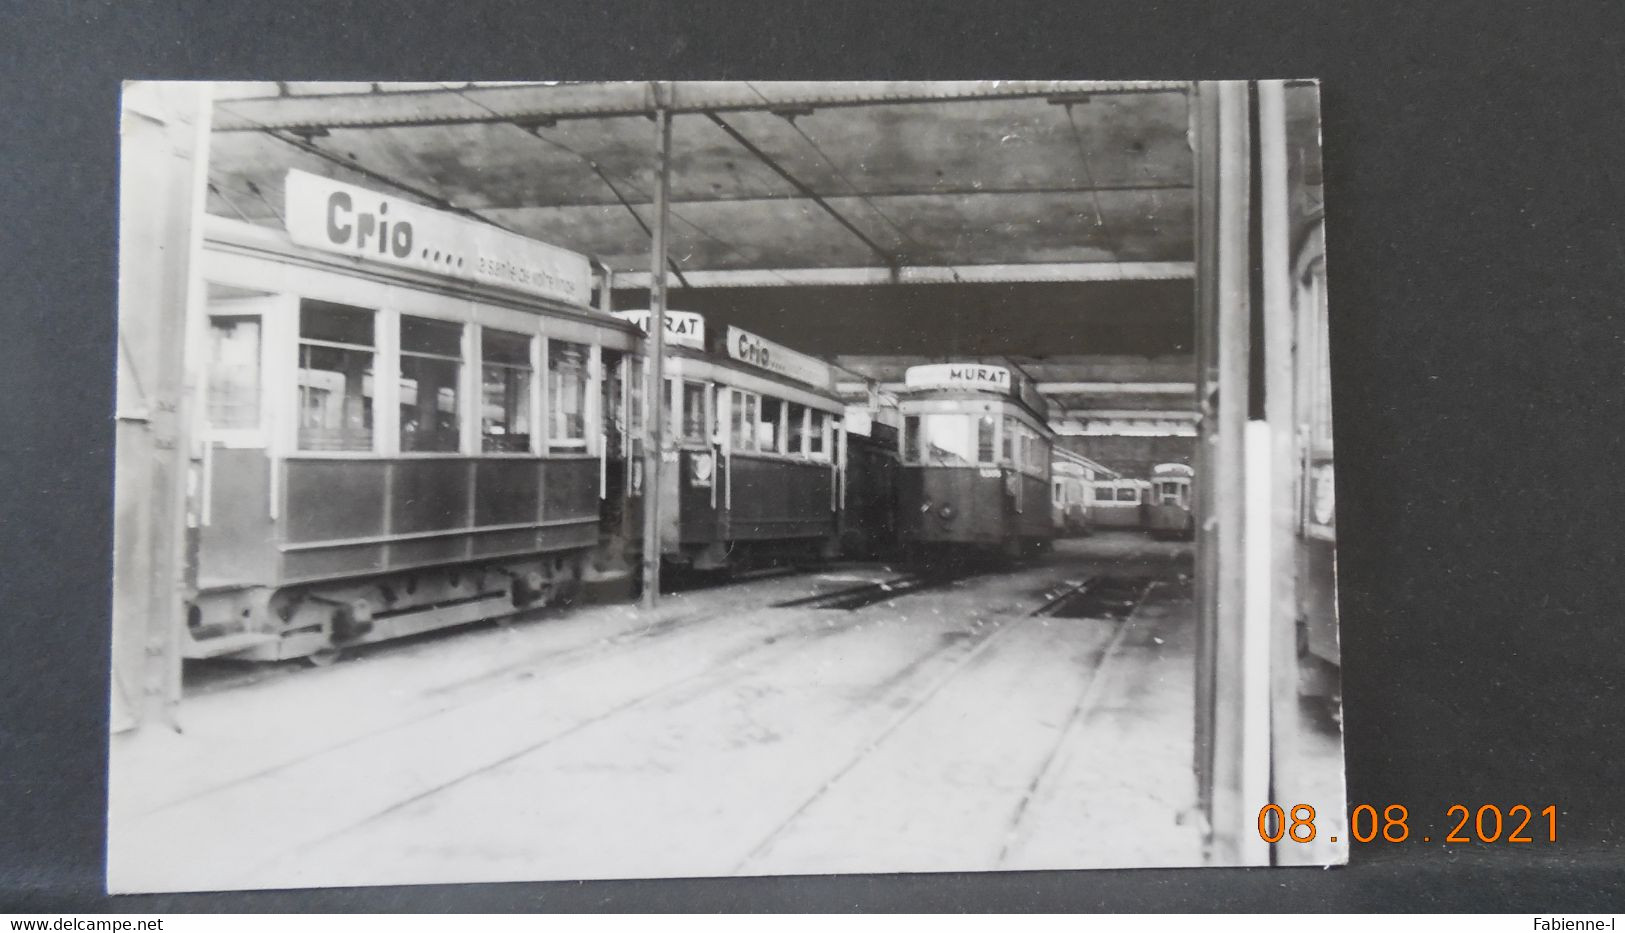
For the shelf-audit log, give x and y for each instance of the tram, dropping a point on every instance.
(756, 440)
(1072, 479)
(1118, 502)
(976, 454)
(1169, 512)
(403, 425)
(869, 505)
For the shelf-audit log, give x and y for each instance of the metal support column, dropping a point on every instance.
(1230, 663)
(1280, 411)
(163, 172)
(654, 447)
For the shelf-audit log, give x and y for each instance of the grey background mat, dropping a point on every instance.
(1477, 265)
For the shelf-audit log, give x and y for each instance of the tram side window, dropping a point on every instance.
(739, 435)
(1008, 444)
(1104, 494)
(234, 373)
(613, 392)
(694, 411)
(1128, 494)
(505, 418)
(796, 430)
(984, 439)
(815, 435)
(337, 354)
(769, 428)
(567, 395)
(431, 369)
(634, 394)
(911, 439)
(745, 415)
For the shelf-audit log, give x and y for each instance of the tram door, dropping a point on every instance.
(236, 495)
(618, 514)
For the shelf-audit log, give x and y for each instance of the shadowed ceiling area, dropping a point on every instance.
(1035, 320)
(887, 222)
(766, 176)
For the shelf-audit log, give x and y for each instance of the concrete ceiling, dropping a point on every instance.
(1091, 178)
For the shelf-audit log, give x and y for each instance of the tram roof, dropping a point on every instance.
(773, 183)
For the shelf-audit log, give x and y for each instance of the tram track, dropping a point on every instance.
(766, 646)
(1076, 718)
(868, 594)
(919, 702)
(558, 661)
(1059, 599)
(724, 670)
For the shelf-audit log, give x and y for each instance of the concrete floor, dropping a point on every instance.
(946, 730)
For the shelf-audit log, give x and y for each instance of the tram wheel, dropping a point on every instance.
(325, 657)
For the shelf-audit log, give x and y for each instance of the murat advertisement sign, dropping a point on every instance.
(340, 218)
(684, 328)
(958, 376)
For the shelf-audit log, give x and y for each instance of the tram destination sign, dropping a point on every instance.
(336, 217)
(684, 328)
(958, 376)
(746, 347)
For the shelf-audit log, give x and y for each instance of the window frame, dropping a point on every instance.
(268, 310)
(482, 363)
(462, 383)
(385, 372)
(570, 447)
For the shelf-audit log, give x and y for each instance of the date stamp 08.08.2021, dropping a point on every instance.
(1489, 823)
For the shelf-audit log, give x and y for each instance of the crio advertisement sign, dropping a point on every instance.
(759, 351)
(684, 328)
(340, 218)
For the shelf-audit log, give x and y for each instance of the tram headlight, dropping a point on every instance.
(947, 514)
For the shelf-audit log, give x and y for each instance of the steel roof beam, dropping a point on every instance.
(1062, 388)
(540, 104)
(928, 275)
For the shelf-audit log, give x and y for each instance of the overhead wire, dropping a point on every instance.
(310, 148)
(920, 251)
(604, 176)
(1112, 242)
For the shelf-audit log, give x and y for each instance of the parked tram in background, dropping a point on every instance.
(1169, 513)
(976, 452)
(869, 507)
(1072, 479)
(754, 444)
(403, 425)
(1118, 503)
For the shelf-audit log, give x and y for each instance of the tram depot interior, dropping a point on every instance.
(525, 481)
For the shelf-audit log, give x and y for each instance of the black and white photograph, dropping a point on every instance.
(538, 481)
